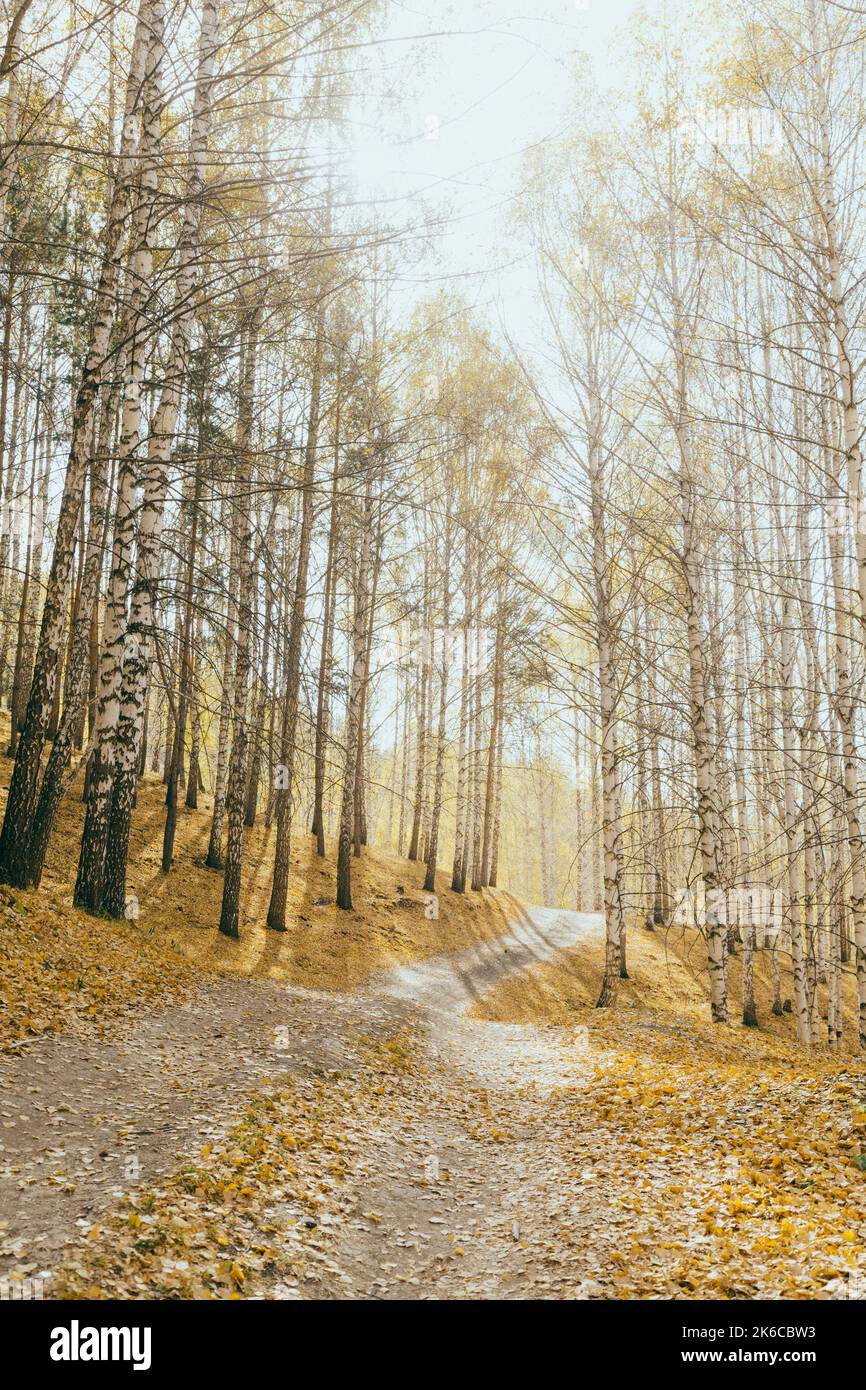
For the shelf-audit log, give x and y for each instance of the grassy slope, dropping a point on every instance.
(668, 983)
(742, 1154)
(60, 968)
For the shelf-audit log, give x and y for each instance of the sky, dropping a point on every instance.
(450, 101)
(453, 97)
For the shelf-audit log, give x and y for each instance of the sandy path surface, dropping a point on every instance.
(85, 1121)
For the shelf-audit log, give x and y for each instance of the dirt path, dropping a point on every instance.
(266, 1141)
(462, 1187)
(84, 1122)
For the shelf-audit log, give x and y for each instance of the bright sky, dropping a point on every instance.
(449, 118)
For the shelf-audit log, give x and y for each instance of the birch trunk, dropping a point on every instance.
(237, 772)
(17, 831)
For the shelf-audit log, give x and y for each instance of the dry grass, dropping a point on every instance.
(60, 965)
(668, 981)
(324, 947)
(61, 970)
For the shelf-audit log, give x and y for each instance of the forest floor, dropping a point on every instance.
(452, 1123)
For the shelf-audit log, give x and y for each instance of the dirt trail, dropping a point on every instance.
(84, 1121)
(463, 1187)
(443, 991)
(451, 984)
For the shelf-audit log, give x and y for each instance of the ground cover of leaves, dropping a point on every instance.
(620, 1159)
(61, 971)
(325, 948)
(732, 1165)
(535, 1147)
(248, 1216)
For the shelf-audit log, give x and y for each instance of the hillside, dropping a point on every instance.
(63, 968)
(667, 983)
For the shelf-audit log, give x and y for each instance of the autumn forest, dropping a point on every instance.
(432, 651)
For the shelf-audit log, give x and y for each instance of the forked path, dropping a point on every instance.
(462, 1196)
(84, 1121)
